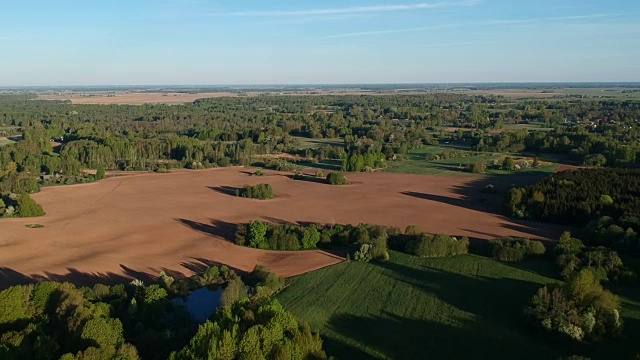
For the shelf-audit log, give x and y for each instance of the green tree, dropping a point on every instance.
(508, 164)
(310, 237)
(100, 173)
(257, 233)
(27, 207)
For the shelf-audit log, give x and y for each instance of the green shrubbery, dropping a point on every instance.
(27, 207)
(337, 179)
(580, 309)
(253, 330)
(261, 192)
(573, 255)
(515, 249)
(425, 245)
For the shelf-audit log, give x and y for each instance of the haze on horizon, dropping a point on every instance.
(172, 42)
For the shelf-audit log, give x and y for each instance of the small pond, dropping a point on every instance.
(201, 303)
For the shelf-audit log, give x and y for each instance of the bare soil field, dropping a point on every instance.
(135, 98)
(515, 94)
(138, 225)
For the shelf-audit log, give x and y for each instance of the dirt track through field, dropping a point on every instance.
(138, 225)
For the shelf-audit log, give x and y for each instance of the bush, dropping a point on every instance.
(100, 173)
(260, 192)
(515, 249)
(234, 291)
(337, 179)
(27, 207)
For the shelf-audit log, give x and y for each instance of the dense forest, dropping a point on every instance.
(606, 201)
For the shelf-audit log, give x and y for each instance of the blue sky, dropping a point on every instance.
(310, 41)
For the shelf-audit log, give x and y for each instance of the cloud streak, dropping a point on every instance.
(351, 10)
(484, 23)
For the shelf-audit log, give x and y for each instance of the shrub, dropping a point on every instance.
(100, 173)
(336, 179)
(27, 207)
(260, 192)
(515, 249)
(234, 291)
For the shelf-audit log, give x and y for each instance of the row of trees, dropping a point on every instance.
(367, 242)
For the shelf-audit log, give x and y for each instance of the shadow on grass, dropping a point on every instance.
(329, 165)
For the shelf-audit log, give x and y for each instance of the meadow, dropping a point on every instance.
(414, 163)
(411, 308)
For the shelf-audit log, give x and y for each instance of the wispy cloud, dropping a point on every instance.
(392, 31)
(476, 24)
(583, 17)
(351, 10)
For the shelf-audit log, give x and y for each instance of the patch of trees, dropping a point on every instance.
(253, 330)
(133, 321)
(435, 246)
(337, 179)
(572, 256)
(607, 200)
(366, 242)
(260, 192)
(20, 205)
(515, 249)
(417, 242)
(367, 162)
(580, 309)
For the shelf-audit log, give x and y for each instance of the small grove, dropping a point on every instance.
(365, 242)
(260, 192)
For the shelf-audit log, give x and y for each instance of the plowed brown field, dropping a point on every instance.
(138, 225)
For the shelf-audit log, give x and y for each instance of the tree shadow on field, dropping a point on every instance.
(217, 228)
(200, 265)
(10, 277)
(308, 178)
(394, 336)
(475, 197)
(486, 316)
(226, 190)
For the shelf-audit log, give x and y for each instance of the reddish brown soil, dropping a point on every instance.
(135, 98)
(142, 224)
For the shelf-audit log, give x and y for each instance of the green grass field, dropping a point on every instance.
(414, 163)
(411, 308)
(307, 143)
